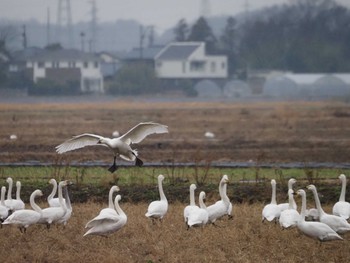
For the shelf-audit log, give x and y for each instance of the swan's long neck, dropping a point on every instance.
(66, 197)
(3, 191)
(118, 209)
(291, 200)
(303, 208)
(290, 186)
(224, 196)
(33, 204)
(18, 191)
(161, 192)
(343, 190)
(201, 202)
(110, 199)
(192, 200)
(317, 201)
(54, 190)
(273, 196)
(60, 197)
(9, 192)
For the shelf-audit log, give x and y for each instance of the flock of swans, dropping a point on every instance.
(319, 224)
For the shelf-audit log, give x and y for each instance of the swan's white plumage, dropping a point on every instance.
(26, 217)
(271, 211)
(192, 204)
(342, 208)
(221, 207)
(315, 230)
(14, 204)
(4, 211)
(284, 206)
(337, 223)
(198, 216)
(158, 209)
(53, 202)
(108, 223)
(68, 204)
(289, 217)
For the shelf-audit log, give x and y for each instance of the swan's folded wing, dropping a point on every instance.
(141, 130)
(102, 220)
(78, 142)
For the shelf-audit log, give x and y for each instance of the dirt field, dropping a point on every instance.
(263, 132)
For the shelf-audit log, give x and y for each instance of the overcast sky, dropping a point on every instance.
(160, 13)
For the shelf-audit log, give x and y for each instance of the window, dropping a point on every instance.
(96, 64)
(55, 64)
(71, 64)
(198, 66)
(184, 67)
(223, 65)
(212, 67)
(40, 64)
(86, 64)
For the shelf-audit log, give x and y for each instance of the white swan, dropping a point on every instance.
(4, 211)
(192, 204)
(68, 204)
(110, 210)
(284, 206)
(289, 217)
(199, 216)
(342, 208)
(157, 209)
(271, 211)
(108, 223)
(53, 202)
(221, 207)
(337, 223)
(52, 215)
(315, 230)
(14, 204)
(120, 146)
(26, 217)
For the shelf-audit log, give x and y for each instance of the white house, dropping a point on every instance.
(68, 65)
(180, 60)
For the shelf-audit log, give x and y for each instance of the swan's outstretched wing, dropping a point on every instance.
(78, 142)
(141, 130)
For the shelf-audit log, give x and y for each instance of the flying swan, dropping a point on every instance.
(120, 146)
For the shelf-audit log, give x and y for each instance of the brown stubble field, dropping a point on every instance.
(263, 132)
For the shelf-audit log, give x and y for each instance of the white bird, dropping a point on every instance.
(108, 223)
(26, 217)
(14, 204)
(289, 217)
(315, 230)
(68, 204)
(221, 207)
(271, 211)
(120, 146)
(312, 214)
(157, 209)
(192, 204)
(105, 211)
(198, 216)
(4, 211)
(53, 202)
(337, 223)
(342, 208)
(284, 206)
(52, 215)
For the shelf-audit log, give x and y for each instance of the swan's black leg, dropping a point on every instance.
(138, 162)
(114, 166)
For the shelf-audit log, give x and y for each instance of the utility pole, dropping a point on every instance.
(93, 27)
(48, 28)
(64, 16)
(24, 35)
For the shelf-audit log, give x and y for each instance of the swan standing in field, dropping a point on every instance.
(284, 206)
(289, 217)
(14, 204)
(68, 204)
(120, 146)
(342, 208)
(271, 211)
(315, 230)
(105, 211)
(4, 211)
(52, 215)
(221, 207)
(192, 205)
(198, 217)
(108, 223)
(337, 223)
(53, 202)
(157, 209)
(26, 217)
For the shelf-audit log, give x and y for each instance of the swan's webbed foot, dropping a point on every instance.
(138, 162)
(113, 168)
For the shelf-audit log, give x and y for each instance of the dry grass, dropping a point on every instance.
(244, 239)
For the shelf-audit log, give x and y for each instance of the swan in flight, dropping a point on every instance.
(289, 217)
(284, 206)
(337, 223)
(107, 223)
(14, 204)
(120, 146)
(157, 209)
(221, 207)
(271, 211)
(26, 217)
(105, 211)
(4, 211)
(342, 208)
(198, 216)
(315, 230)
(192, 204)
(53, 202)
